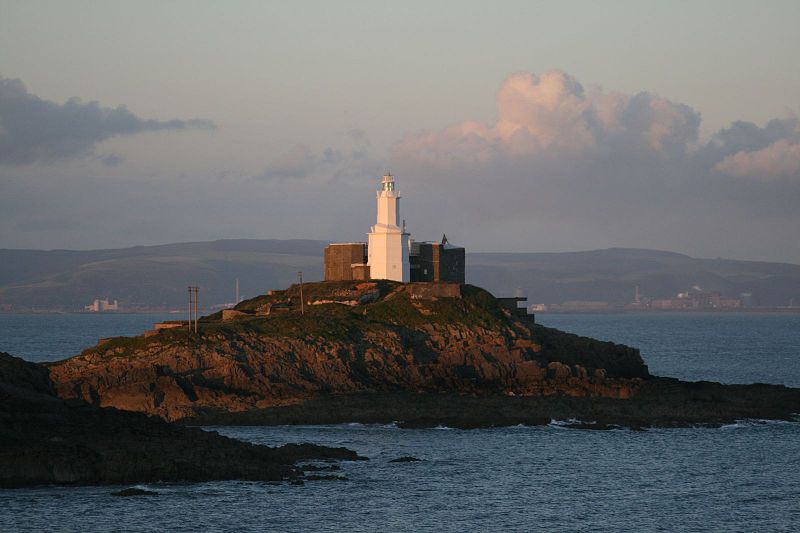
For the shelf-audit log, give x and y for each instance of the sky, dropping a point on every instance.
(510, 126)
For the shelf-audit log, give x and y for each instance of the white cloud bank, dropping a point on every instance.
(553, 115)
(553, 112)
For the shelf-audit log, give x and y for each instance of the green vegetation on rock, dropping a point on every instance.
(347, 311)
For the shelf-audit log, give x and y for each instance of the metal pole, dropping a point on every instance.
(302, 303)
(196, 306)
(189, 322)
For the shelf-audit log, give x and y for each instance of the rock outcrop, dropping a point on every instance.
(45, 440)
(374, 337)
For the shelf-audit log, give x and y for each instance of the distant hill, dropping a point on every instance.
(154, 276)
(612, 275)
(157, 276)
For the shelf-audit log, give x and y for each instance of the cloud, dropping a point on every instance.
(352, 161)
(781, 158)
(358, 134)
(552, 113)
(34, 130)
(746, 136)
(112, 160)
(301, 161)
(298, 162)
(746, 150)
(567, 167)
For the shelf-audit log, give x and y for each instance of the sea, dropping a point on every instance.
(740, 477)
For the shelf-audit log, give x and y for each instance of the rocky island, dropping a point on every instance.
(46, 440)
(419, 354)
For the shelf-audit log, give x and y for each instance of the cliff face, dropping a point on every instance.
(370, 337)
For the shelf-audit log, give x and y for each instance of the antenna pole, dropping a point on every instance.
(193, 307)
(190, 311)
(302, 300)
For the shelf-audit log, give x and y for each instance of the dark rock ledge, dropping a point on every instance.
(133, 491)
(405, 459)
(45, 440)
(659, 403)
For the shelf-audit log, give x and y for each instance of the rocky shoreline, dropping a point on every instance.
(660, 403)
(46, 440)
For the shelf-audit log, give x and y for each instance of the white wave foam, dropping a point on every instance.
(756, 422)
(563, 423)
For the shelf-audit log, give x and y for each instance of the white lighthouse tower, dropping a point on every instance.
(387, 247)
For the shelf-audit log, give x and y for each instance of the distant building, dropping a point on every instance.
(390, 253)
(99, 306)
(582, 306)
(746, 299)
(696, 298)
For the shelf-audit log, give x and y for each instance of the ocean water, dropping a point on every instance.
(51, 337)
(742, 477)
(724, 347)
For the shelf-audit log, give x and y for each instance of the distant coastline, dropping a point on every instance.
(65, 281)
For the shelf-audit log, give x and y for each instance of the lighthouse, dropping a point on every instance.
(390, 253)
(387, 248)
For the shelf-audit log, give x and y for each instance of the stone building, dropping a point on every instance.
(390, 253)
(346, 261)
(437, 261)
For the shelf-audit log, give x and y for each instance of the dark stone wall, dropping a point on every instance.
(512, 304)
(430, 290)
(339, 259)
(360, 272)
(451, 264)
(438, 263)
